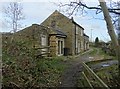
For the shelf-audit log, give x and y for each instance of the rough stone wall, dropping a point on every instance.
(31, 35)
(80, 39)
(53, 46)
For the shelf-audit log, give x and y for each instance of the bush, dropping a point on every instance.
(21, 69)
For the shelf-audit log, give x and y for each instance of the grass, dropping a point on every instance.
(100, 53)
(93, 52)
(22, 69)
(108, 74)
(29, 72)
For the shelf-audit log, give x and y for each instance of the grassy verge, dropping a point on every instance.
(108, 74)
(93, 52)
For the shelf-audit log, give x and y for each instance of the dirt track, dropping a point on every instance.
(75, 67)
(69, 77)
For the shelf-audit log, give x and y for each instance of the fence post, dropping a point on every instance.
(95, 76)
(88, 82)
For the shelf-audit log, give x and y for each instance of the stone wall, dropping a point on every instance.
(79, 39)
(31, 37)
(53, 45)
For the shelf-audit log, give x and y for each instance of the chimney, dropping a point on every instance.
(72, 19)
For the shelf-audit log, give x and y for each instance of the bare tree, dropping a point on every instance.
(79, 6)
(82, 7)
(14, 14)
(109, 9)
(111, 30)
(118, 23)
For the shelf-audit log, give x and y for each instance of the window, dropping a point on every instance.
(76, 42)
(61, 47)
(58, 47)
(81, 32)
(81, 45)
(77, 29)
(78, 47)
(43, 43)
(43, 40)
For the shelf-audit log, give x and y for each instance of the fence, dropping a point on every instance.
(92, 75)
(42, 51)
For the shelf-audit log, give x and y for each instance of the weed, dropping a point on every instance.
(21, 69)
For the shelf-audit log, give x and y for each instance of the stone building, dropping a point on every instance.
(57, 42)
(57, 35)
(74, 41)
(36, 37)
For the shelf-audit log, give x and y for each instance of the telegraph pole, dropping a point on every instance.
(91, 35)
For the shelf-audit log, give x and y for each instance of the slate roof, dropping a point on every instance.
(59, 33)
(86, 35)
(77, 24)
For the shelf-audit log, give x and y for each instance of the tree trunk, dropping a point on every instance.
(111, 30)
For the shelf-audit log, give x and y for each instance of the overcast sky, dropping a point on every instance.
(37, 12)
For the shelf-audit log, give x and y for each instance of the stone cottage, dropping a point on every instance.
(57, 35)
(75, 40)
(46, 41)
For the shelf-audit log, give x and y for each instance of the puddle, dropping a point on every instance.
(105, 65)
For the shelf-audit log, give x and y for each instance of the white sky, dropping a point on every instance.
(38, 10)
(53, 0)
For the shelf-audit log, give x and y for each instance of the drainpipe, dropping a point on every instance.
(75, 39)
(74, 28)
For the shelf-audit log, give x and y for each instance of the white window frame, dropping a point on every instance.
(61, 47)
(43, 40)
(77, 30)
(81, 32)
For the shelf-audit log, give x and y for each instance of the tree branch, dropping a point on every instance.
(111, 10)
